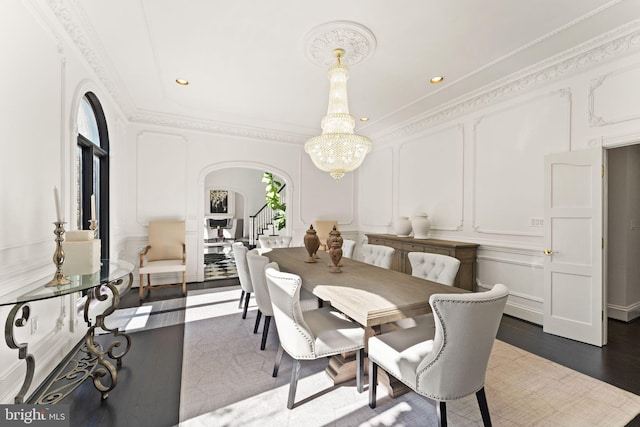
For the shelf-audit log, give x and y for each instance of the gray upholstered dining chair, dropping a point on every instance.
(257, 264)
(311, 334)
(443, 366)
(347, 248)
(240, 258)
(379, 255)
(274, 241)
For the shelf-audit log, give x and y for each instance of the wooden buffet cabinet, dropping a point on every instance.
(465, 252)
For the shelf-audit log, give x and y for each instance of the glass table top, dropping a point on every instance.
(110, 271)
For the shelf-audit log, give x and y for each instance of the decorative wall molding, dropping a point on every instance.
(538, 149)
(527, 264)
(457, 169)
(84, 40)
(212, 126)
(598, 120)
(608, 46)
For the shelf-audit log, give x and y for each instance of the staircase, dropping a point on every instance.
(261, 223)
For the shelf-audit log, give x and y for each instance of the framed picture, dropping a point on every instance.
(221, 202)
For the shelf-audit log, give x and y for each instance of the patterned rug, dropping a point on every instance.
(220, 265)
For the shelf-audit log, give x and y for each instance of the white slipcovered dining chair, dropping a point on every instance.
(434, 267)
(311, 334)
(240, 258)
(274, 241)
(347, 248)
(379, 255)
(257, 264)
(443, 366)
(165, 253)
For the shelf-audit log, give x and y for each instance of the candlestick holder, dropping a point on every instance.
(93, 225)
(58, 257)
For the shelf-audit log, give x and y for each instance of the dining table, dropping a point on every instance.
(370, 295)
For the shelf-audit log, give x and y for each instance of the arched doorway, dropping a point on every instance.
(243, 182)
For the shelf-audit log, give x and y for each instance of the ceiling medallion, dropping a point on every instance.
(357, 41)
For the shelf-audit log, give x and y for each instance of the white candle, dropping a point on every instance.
(56, 196)
(93, 207)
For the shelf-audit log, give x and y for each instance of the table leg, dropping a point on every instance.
(104, 366)
(21, 347)
(89, 360)
(342, 368)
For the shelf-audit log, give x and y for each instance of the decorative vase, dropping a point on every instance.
(336, 255)
(334, 237)
(311, 244)
(421, 225)
(402, 226)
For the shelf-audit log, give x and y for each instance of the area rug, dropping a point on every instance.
(220, 265)
(226, 381)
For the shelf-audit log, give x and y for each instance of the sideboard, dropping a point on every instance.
(465, 252)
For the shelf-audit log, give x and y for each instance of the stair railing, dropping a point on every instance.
(260, 221)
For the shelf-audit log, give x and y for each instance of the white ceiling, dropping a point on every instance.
(247, 65)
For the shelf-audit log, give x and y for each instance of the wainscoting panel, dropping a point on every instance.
(612, 99)
(32, 143)
(161, 168)
(430, 178)
(522, 271)
(510, 145)
(375, 182)
(322, 197)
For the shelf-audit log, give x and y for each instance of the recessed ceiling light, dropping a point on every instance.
(364, 119)
(182, 82)
(436, 79)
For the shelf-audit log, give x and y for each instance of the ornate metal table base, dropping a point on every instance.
(21, 347)
(88, 361)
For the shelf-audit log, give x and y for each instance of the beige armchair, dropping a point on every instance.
(164, 253)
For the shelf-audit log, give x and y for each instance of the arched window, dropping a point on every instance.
(92, 166)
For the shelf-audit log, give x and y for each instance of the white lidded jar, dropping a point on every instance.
(421, 225)
(402, 226)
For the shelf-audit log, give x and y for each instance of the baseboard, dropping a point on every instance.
(622, 313)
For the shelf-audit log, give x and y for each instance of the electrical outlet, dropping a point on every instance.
(34, 325)
(537, 222)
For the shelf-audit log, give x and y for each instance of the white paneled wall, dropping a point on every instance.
(431, 175)
(477, 167)
(375, 189)
(161, 167)
(322, 197)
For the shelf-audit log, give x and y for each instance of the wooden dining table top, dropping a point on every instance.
(368, 294)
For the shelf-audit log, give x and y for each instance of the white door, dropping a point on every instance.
(573, 285)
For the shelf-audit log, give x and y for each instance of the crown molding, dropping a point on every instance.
(613, 44)
(85, 41)
(211, 126)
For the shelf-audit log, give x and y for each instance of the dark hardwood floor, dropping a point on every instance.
(148, 390)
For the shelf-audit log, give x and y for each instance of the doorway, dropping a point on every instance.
(244, 181)
(622, 269)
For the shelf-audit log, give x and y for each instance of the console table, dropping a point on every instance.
(90, 360)
(465, 252)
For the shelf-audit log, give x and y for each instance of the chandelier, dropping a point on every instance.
(338, 150)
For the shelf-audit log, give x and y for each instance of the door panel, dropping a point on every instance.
(573, 286)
